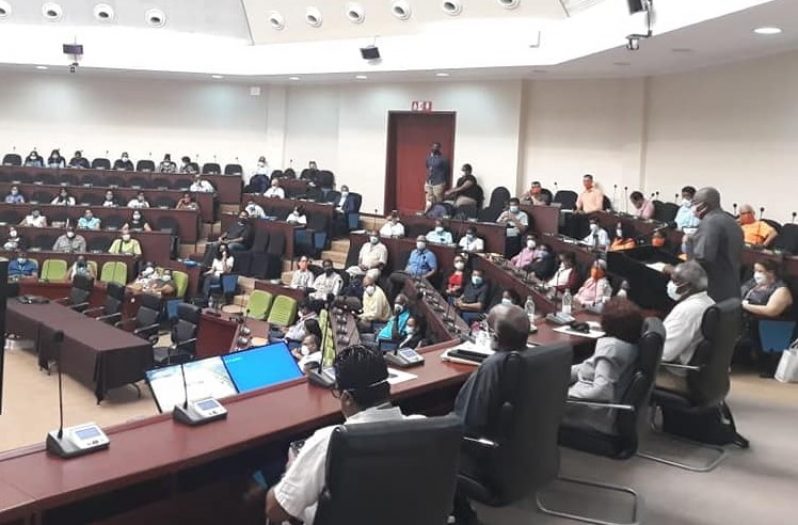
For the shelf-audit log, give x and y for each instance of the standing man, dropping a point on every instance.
(437, 175)
(717, 245)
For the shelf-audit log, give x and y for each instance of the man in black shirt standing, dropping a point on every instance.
(237, 237)
(437, 175)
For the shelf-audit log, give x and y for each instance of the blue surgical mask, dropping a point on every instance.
(477, 280)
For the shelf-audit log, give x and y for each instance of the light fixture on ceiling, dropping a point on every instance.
(452, 7)
(767, 30)
(217, 77)
(293, 78)
(355, 12)
(155, 17)
(41, 68)
(313, 17)
(442, 74)
(52, 11)
(5, 9)
(401, 9)
(277, 21)
(361, 77)
(104, 13)
(509, 4)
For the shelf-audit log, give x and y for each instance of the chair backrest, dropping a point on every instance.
(101, 163)
(606, 204)
(164, 201)
(233, 169)
(12, 159)
(137, 181)
(167, 223)
(260, 302)
(162, 183)
(665, 211)
(774, 224)
(107, 272)
(261, 240)
(276, 244)
(114, 299)
(357, 198)
(566, 198)
(332, 196)
(120, 273)
(98, 244)
(91, 198)
(145, 165)
(113, 221)
(211, 168)
(54, 270)
(149, 310)
(185, 327)
(534, 387)
(283, 311)
(719, 326)
(82, 286)
(360, 459)
(181, 283)
(499, 197)
(788, 239)
(90, 178)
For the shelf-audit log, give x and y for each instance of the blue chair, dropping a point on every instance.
(353, 218)
(226, 287)
(776, 336)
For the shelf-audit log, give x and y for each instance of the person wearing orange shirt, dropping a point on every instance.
(755, 232)
(592, 199)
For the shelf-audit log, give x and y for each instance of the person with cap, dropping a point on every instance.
(124, 163)
(167, 165)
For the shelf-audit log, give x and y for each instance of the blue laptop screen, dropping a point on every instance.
(261, 367)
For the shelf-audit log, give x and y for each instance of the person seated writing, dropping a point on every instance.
(125, 245)
(275, 191)
(295, 333)
(34, 220)
(361, 385)
(327, 283)
(642, 208)
(757, 233)
(373, 255)
(517, 222)
(421, 264)
(596, 287)
(70, 242)
(14, 196)
(605, 375)
(456, 280)
(535, 196)
(439, 234)
(88, 221)
(470, 243)
(474, 300)
(376, 308)
(392, 227)
(597, 239)
(302, 277)
(21, 266)
(63, 198)
(297, 216)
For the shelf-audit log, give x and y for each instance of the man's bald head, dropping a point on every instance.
(709, 197)
(511, 326)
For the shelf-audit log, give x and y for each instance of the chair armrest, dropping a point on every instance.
(125, 323)
(599, 404)
(682, 367)
(481, 442)
(107, 317)
(89, 311)
(78, 306)
(146, 329)
(186, 342)
(61, 300)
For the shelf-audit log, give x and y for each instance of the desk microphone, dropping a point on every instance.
(199, 412)
(615, 194)
(58, 339)
(793, 216)
(734, 207)
(676, 198)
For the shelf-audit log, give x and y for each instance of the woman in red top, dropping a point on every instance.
(454, 285)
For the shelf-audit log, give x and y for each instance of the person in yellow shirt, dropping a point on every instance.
(756, 232)
(375, 305)
(125, 245)
(592, 199)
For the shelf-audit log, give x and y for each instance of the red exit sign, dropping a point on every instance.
(421, 105)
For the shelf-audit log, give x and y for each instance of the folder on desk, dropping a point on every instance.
(467, 353)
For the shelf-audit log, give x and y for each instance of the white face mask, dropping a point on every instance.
(421, 245)
(530, 245)
(374, 239)
(304, 350)
(619, 234)
(438, 229)
(672, 290)
(760, 278)
(459, 266)
(594, 228)
(370, 290)
(410, 330)
(513, 209)
(687, 203)
(507, 301)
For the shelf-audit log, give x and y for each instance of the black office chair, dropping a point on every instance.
(116, 180)
(708, 385)
(79, 294)
(332, 197)
(233, 169)
(465, 212)
(146, 323)
(270, 266)
(566, 199)
(10, 217)
(276, 174)
(111, 311)
(91, 199)
(182, 184)
(184, 337)
(244, 258)
(211, 168)
(665, 211)
(167, 223)
(773, 224)
(12, 159)
(44, 241)
(499, 198)
(162, 183)
(101, 164)
(164, 201)
(44, 177)
(137, 181)
(787, 240)
(42, 197)
(21, 176)
(145, 165)
(69, 179)
(520, 455)
(626, 414)
(98, 244)
(90, 178)
(5, 176)
(360, 459)
(113, 222)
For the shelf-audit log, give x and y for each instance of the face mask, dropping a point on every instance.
(421, 245)
(374, 240)
(36, 214)
(513, 209)
(507, 301)
(619, 234)
(410, 330)
(370, 290)
(109, 197)
(760, 278)
(140, 198)
(470, 236)
(459, 266)
(147, 271)
(476, 280)
(672, 290)
(88, 217)
(594, 228)
(304, 350)
(14, 192)
(344, 193)
(530, 245)
(687, 203)
(124, 158)
(328, 271)
(596, 273)
(63, 195)
(399, 308)
(166, 278)
(81, 264)
(71, 235)
(12, 234)
(126, 238)
(261, 164)
(21, 260)
(439, 229)
(136, 217)
(535, 190)
(696, 211)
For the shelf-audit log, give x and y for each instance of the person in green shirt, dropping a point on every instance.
(125, 245)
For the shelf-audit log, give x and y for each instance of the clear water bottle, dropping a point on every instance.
(529, 307)
(483, 338)
(567, 302)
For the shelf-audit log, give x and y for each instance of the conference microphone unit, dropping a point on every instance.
(72, 441)
(194, 413)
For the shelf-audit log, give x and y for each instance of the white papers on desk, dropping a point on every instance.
(657, 266)
(398, 376)
(595, 331)
(469, 347)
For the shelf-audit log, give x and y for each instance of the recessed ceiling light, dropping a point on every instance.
(293, 78)
(767, 30)
(217, 77)
(452, 7)
(313, 17)
(442, 75)
(277, 21)
(41, 67)
(104, 12)
(361, 77)
(401, 9)
(355, 12)
(622, 64)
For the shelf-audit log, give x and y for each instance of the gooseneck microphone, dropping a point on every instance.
(185, 387)
(626, 199)
(58, 339)
(734, 207)
(793, 216)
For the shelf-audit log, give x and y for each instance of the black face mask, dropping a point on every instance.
(328, 271)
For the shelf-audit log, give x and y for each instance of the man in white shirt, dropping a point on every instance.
(201, 185)
(393, 228)
(302, 278)
(517, 222)
(139, 201)
(275, 191)
(688, 286)
(328, 282)
(597, 239)
(262, 168)
(373, 256)
(361, 381)
(439, 234)
(35, 219)
(470, 242)
(255, 210)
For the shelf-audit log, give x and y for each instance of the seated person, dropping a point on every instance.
(236, 237)
(88, 221)
(167, 165)
(146, 277)
(643, 208)
(597, 239)
(327, 283)
(392, 227)
(439, 234)
(201, 185)
(470, 243)
(528, 254)
(765, 294)
(361, 381)
(307, 352)
(186, 202)
(688, 287)
(422, 263)
(70, 242)
(35, 219)
(221, 264)
(21, 266)
(544, 264)
(137, 223)
(311, 173)
(466, 191)
(81, 267)
(259, 183)
(79, 161)
(535, 195)
(14, 241)
(34, 160)
(186, 166)
(297, 216)
(623, 240)
(275, 191)
(595, 287)
(295, 333)
(414, 333)
(472, 304)
(125, 245)
(592, 199)
(55, 160)
(686, 220)
(517, 222)
(373, 255)
(756, 232)
(14, 196)
(110, 200)
(376, 308)
(509, 298)
(396, 327)
(139, 201)
(605, 375)
(456, 280)
(254, 209)
(566, 277)
(346, 202)
(63, 198)
(124, 163)
(658, 239)
(163, 284)
(302, 277)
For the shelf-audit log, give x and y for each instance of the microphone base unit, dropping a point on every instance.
(404, 358)
(77, 441)
(199, 412)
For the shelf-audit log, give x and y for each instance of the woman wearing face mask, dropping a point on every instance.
(766, 295)
(414, 333)
(56, 160)
(454, 284)
(222, 263)
(14, 196)
(137, 223)
(164, 284)
(34, 160)
(470, 242)
(110, 200)
(64, 198)
(528, 254)
(595, 287)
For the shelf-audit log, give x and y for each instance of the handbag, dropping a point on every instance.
(787, 372)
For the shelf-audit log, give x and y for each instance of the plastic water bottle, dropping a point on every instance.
(567, 302)
(529, 307)
(483, 339)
